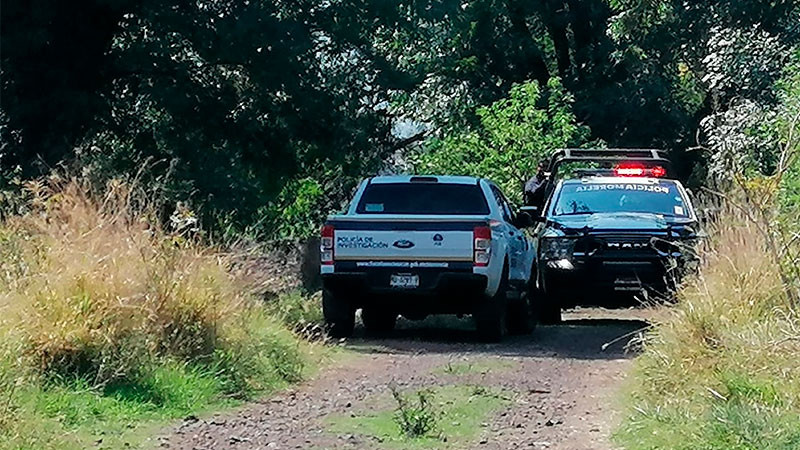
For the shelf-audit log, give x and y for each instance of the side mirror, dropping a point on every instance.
(523, 220)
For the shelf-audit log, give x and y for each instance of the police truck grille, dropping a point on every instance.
(626, 246)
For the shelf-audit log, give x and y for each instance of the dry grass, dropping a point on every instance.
(94, 285)
(721, 370)
(94, 293)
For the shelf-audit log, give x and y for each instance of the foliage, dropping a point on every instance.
(719, 372)
(459, 55)
(514, 134)
(109, 319)
(415, 418)
(748, 136)
(721, 60)
(788, 125)
(299, 311)
(261, 116)
(224, 102)
(460, 411)
(719, 369)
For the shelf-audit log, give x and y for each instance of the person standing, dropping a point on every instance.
(535, 187)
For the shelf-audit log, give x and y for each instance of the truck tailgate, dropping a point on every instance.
(404, 240)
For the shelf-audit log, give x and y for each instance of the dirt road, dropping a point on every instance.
(554, 389)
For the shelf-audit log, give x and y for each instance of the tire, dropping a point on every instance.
(550, 310)
(547, 307)
(378, 321)
(490, 314)
(339, 315)
(519, 316)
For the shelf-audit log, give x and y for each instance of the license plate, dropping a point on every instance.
(404, 281)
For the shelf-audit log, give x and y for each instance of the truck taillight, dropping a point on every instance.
(326, 244)
(482, 246)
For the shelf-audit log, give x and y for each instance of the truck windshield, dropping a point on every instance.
(422, 199)
(589, 198)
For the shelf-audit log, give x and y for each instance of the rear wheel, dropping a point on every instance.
(339, 315)
(490, 314)
(378, 321)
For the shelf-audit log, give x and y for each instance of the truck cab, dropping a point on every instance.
(623, 228)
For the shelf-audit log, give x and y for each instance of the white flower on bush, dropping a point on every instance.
(743, 61)
(740, 138)
(183, 219)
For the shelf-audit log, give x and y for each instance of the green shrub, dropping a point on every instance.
(416, 417)
(514, 134)
(108, 320)
(300, 312)
(720, 369)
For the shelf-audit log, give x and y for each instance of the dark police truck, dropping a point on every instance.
(619, 225)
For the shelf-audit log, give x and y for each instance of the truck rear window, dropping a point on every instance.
(423, 199)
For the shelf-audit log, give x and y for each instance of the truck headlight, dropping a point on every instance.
(557, 248)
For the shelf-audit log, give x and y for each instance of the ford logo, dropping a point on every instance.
(403, 244)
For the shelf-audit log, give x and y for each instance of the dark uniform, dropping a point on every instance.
(535, 190)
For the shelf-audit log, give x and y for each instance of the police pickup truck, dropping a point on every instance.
(620, 226)
(421, 245)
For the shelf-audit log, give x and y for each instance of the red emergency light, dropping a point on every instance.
(638, 170)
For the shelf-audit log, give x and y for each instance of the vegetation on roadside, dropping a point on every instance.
(300, 311)
(720, 370)
(415, 416)
(439, 417)
(109, 321)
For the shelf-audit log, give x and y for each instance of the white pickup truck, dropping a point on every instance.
(421, 245)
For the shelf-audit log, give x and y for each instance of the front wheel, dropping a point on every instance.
(339, 315)
(546, 307)
(519, 316)
(549, 309)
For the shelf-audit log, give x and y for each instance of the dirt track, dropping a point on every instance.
(564, 387)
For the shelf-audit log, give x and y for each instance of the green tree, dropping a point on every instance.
(514, 134)
(463, 54)
(224, 103)
(721, 60)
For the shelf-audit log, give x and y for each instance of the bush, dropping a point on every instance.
(300, 312)
(415, 418)
(720, 369)
(515, 133)
(107, 316)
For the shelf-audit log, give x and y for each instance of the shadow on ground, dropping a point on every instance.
(576, 338)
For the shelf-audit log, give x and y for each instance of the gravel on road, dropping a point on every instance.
(563, 379)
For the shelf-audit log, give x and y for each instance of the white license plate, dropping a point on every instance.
(404, 281)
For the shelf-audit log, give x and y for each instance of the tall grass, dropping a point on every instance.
(720, 370)
(102, 306)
